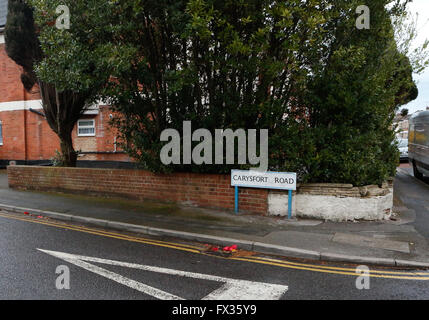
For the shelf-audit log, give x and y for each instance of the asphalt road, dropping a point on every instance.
(414, 195)
(164, 270)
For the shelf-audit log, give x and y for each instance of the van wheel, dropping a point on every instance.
(416, 172)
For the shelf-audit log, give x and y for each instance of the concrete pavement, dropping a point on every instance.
(391, 243)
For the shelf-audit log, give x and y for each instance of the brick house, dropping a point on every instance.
(25, 136)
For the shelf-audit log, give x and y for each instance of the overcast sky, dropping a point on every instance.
(422, 8)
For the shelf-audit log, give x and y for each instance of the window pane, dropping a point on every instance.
(86, 127)
(86, 123)
(86, 130)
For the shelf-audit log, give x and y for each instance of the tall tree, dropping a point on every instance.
(353, 99)
(62, 107)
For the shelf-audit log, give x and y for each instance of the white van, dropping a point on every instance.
(418, 144)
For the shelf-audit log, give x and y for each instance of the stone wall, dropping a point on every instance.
(335, 202)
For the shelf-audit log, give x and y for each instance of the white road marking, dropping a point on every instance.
(232, 289)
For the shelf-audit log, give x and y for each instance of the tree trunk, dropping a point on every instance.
(68, 153)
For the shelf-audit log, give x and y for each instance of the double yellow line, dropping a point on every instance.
(109, 234)
(404, 275)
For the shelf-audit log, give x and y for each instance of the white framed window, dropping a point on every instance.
(86, 128)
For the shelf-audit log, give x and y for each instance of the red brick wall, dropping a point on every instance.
(10, 77)
(11, 88)
(41, 141)
(13, 135)
(37, 142)
(203, 190)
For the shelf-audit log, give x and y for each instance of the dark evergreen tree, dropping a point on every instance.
(353, 100)
(21, 40)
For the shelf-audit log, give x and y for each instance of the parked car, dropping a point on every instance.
(418, 143)
(403, 149)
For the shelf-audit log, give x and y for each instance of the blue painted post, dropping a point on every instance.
(289, 204)
(236, 199)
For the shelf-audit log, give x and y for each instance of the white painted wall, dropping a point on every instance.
(278, 204)
(332, 208)
(21, 105)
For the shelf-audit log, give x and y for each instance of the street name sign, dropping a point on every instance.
(266, 180)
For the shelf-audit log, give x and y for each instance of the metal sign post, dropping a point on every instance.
(265, 180)
(236, 199)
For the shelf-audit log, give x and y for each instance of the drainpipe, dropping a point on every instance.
(37, 112)
(25, 124)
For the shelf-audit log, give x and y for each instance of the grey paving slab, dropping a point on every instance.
(371, 242)
(327, 256)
